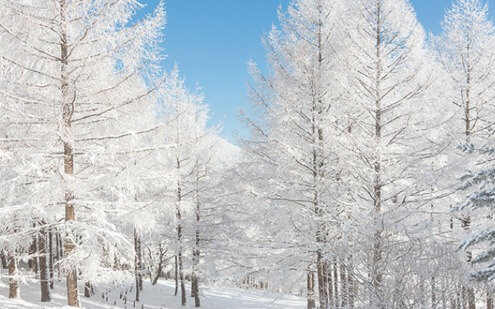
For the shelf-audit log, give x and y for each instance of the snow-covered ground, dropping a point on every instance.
(159, 296)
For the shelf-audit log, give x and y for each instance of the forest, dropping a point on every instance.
(366, 179)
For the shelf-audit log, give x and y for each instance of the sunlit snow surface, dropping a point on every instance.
(159, 296)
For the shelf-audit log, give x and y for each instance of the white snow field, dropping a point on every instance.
(159, 296)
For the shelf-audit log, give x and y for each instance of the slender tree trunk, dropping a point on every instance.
(59, 253)
(433, 293)
(322, 287)
(178, 216)
(43, 267)
(88, 289)
(176, 276)
(351, 288)
(466, 222)
(195, 291)
(137, 265)
(34, 252)
(343, 286)
(50, 257)
(13, 283)
(311, 290)
(160, 267)
(458, 300)
(182, 282)
(422, 293)
(196, 251)
(141, 266)
(471, 298)
(67, 113)
(5, 264)
(489, 301)
(377, 276)
(336, 284)
(328, 283)
(181, 276)
(318, 163)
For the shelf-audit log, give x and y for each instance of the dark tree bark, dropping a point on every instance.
(33, 252)
(137, 265)
(5, 264)
(50, 257)
(161, 262)
(196, 251)
(311, 290)
(178, 215)
(328, 281)
(336, 295)
(58, 252)
(322, 280)
(343, 286)
(176, 276)
(13, 284)
(433, 293)
(88, 289)
(182, 282)
(67, 112)
(43, 266)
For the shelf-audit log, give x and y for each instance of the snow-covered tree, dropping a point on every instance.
(390, 88)
(81, 59)
(465, 49)
(295, 140)
(481, 183)
(191, 168)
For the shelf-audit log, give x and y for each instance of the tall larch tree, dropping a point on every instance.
(389, 84)
(466, 51)
(295, 136)
(81, 56)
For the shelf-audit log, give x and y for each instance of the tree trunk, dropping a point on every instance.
(50, 257)
(466, 222)
(433, 293)
(377, 276)
(176, 276)
(88, 289)
(489, 301)
(59, 253)
(5, 264)
(322, 286)
(43, 266)
(178, 216)
(328, 282)
(336, 285)
(67, 112)
(33, 252)
(160, 267)
(471, 298)
(141, 266)
(181, 276)
(137, 265)
(13, 284)
(195, 291)
(351, 289)
(343, 286)
(182, 282)
(311, 290)
(196, 252)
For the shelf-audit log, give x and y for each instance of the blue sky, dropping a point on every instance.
(212, 40)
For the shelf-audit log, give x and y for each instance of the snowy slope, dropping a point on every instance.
(159, 296)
